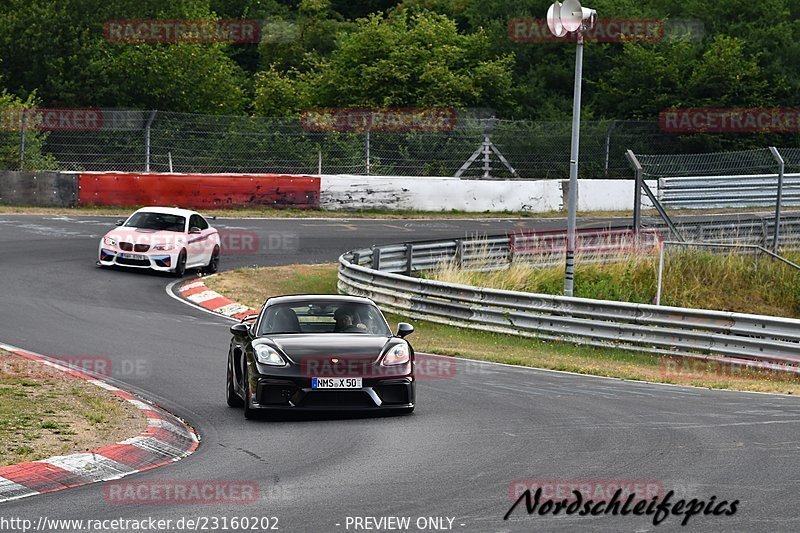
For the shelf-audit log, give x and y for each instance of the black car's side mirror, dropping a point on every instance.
(240, 330)
(119, 222)
(195, 230)
(404, 329)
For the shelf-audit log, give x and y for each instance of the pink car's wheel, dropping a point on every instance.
(180, 267)
(213, 263)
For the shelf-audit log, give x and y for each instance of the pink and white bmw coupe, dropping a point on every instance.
(164, 239)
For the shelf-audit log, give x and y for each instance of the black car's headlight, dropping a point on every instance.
(396, 355)
(267, 355)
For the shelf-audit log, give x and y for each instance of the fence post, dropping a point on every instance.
(779, 197)
(376, 258)
(319, 162)
(409, 258)
(22, 141)
(367, 147)
(660, 271)
(460, 253)
(637, 191)
(147, 141)
(608, 143)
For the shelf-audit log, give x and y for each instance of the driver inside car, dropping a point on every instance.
(347, 321)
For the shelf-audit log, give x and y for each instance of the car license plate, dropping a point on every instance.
(335, 383)
(135, 257)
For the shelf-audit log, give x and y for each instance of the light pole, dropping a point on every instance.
(562, 19)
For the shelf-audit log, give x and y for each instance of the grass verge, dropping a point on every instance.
(252, 286)
(692, 277)
(44, 412)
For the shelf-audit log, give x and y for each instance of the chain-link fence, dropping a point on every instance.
(164, 141)
(160, 141)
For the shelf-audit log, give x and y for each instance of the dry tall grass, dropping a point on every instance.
(693, 277)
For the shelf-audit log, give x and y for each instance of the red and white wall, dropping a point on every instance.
(328, 192)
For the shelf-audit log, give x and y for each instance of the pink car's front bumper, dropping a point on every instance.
(164, 261)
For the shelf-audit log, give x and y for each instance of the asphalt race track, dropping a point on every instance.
(471, 436)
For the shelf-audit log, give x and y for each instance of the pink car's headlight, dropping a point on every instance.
(167, 246)
(108, 241)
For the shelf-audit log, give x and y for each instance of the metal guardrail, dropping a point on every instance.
(712, 192)
(383, 274)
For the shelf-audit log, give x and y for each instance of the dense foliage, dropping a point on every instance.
(316, 53)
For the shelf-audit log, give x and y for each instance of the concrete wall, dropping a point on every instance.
(42, 189)
(341, 192)
(335, 192)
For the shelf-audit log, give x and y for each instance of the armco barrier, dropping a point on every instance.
(199, 190)
(44, 189)
(714, 192)
(373, 272)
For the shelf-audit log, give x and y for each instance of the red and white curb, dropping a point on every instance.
(166, 439)
(196, 292)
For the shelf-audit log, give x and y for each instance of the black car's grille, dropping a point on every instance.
(141, 247)
(338, 398)
(126, 246)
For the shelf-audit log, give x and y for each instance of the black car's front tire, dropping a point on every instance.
(249, 412)
(230, 391)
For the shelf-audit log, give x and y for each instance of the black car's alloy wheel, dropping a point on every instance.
(230, 391)
(249, 412)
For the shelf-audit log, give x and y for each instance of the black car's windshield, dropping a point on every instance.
(324, 317)
(156, 221)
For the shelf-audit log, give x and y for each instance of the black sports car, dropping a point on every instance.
(320, 353)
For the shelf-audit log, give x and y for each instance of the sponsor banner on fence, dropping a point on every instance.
(717, 120)
(383, 120)
(182, 31)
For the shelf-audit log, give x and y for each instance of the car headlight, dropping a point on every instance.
(108, 241)
(268, 356)
(163, 246)
(396, 355)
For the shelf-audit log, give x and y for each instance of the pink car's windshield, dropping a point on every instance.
(156, 222)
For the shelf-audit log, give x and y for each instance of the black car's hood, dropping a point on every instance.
(343, 345)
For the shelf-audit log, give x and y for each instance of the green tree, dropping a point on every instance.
(58, 49)
(417, 59)
(12, 109)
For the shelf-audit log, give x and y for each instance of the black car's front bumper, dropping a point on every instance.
(296, 393)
